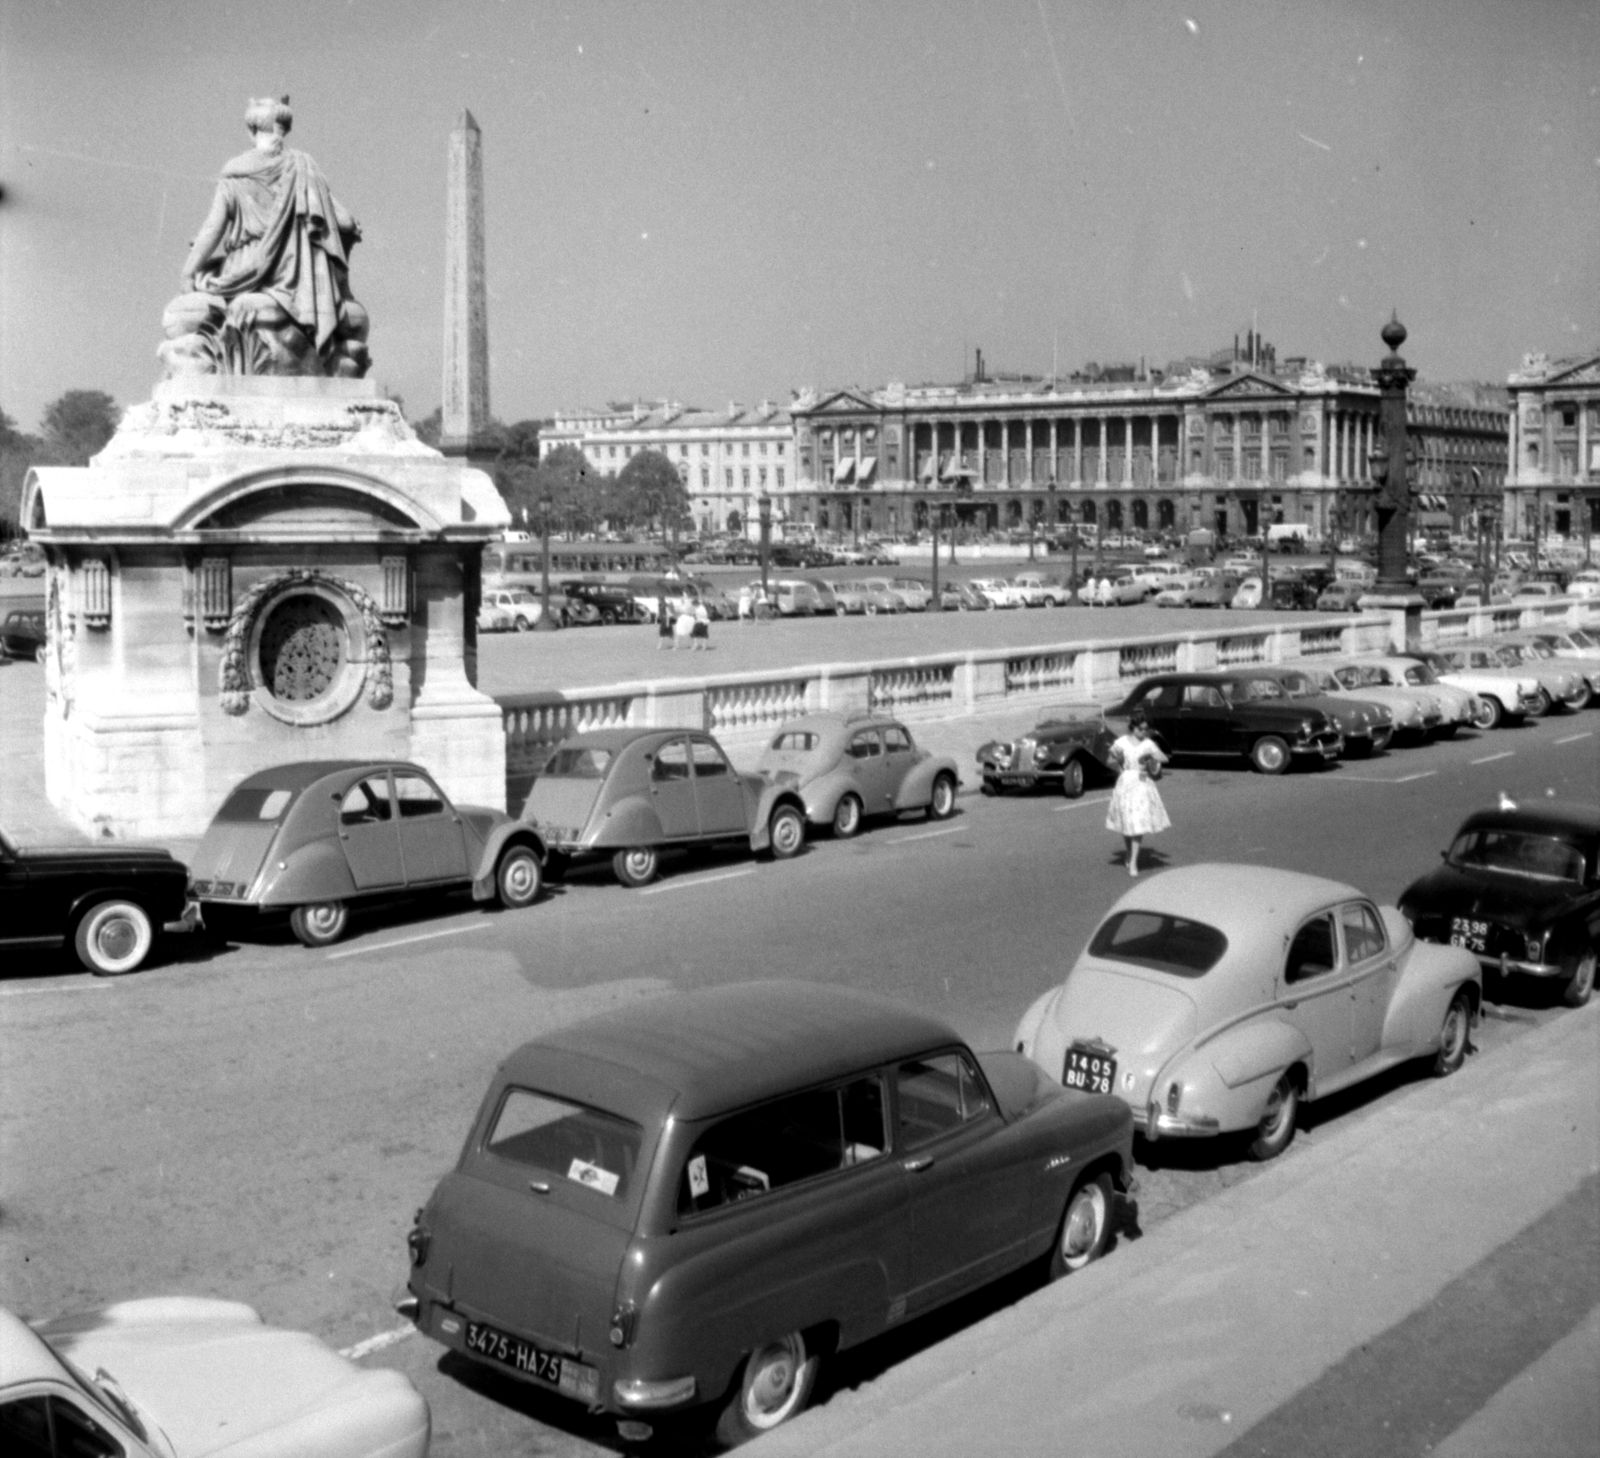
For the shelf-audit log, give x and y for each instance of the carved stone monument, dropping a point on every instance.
(264, 564)
(464, 412)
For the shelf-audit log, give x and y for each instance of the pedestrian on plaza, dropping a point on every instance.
(664, 626)
(1102, 592)
(700, 636)
(1136, 810)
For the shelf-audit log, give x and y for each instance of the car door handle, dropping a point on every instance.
(920, 1163)
(1292, 1005)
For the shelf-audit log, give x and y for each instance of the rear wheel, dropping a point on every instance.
(776, 1384)
(1085, 1227)
(787, 832)
(636, 866)
(1546, 704)
(1269, 755)
(113, 938)
(1453, 1035)
(1577, 698)
(320, 924)
(1579, 974)
(518, 877)
(1072, 778)
(1486, 712)
(1276, 1129)
(942, 804)
(847, 817)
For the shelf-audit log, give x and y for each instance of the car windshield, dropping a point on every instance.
(575, 763)
(587, 1146)
(1581, 639)
(1537, 650)
(1166, 943)
(25, 620)
(254, 802)
(1263, 688)
(1508, 655)
(1420, 674)
(1298, 686)
(1518, 853)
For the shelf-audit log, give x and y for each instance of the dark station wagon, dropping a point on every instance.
(694, 1200)
(312, 838)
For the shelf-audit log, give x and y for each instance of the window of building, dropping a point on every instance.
(763, 447)
(744, 472)
(705, 478)
(727, 477)
(683, 450)
(705, 448)
(761, 477)
(779, 478)
(1569, 416)
(744, 448)
(780, 447)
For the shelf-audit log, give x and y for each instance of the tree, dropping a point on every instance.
(576, 493)
(429, 427)
(652, 491)
(78, 425)
(18, 451)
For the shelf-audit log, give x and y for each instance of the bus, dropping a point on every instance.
(521, 564)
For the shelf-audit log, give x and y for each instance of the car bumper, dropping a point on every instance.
(1326, 746)
(1159, 1125)
(1504, 965)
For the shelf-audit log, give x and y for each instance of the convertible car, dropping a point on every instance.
(694, 1200)
(315, 837)
(1215, 998)
(1066, 749)
(631, 793)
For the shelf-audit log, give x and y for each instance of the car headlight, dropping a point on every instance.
(1535, 948)
(1306, 728)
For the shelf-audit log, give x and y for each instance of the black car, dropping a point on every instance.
(1214, 714)
(1521, 889)
(614, 604)
(107, 902)
(22, 634)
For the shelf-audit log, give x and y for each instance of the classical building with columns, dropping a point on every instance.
(1555, 447)
(1228, 444)
(727, 459)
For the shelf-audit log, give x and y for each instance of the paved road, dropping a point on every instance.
(261, 1121)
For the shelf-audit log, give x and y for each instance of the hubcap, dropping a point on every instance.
(639, 863)
(785, 834)
(519, 876)
(323, 918)
(1455, 1028)
(1083, 1224)
(942, 796)
(118, 937)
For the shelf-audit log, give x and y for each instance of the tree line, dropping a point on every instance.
(645, 495)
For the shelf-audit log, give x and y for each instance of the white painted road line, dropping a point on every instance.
(1407, 779)
(1491, 758)
(698, 881)
(1349, 779)
(69, 987)
(449, 931)
(379, 1342)
(926, 834)
(1574, 738)
(1079, 804)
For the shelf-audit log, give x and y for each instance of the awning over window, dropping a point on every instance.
(843, 471)
(865, 470)
(1434, 503)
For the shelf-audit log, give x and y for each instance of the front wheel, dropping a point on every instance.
(1072, 778)
(847, 817)
(1487, 713)
(517, 878)
(1269, 755)
(1577, 698)
(1085, 1227)
(320, 924)
(1579, 983)
(942, 805)
(1276, 1129)
(776, 1384)
(113, 938)
(636, 866)
(786, 832)
(871, 610)
(1453, 1036)
(1546, 705)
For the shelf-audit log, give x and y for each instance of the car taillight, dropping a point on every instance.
(1174, 1094)
(418, 1240)
(1535, 948)
(622, 1323)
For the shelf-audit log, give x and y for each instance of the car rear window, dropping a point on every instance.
(590, 1147)
(1516, 852)
(1166, 943)
(258, 803)
(801, 741)
(578, 764)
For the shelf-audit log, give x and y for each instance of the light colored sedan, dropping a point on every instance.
(1457, 705)
(1564, 682)
(1385, 685)
(1574, 648)
(1215, 999)
(1042, 591)
(184, 1377)
(1503, 696)
(1000, 592)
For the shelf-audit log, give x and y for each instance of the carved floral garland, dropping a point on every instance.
(234, 679)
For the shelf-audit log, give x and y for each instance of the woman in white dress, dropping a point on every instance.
(1136, 810)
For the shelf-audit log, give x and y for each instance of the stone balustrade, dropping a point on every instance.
(743, 709)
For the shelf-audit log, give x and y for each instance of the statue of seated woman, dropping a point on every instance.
(266, 286)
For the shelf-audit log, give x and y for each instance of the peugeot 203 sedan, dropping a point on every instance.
(849, 768)
(1520, 890)
(1215, 714)
(632, 793)
(107, 902)
(316, 837)
(695, 1200)
(1066, 749)
(1366, 727)
(186, 1377)
(1217, 998)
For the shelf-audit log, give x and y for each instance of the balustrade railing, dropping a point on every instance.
(1315, 641)
(894, 690)
(1041, 673)
(1135, 660)
(755, 705)
(1235, 652)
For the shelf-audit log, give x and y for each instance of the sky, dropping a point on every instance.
(718, 201)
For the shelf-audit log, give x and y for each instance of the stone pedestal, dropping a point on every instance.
(1404, 611)
(257, 570)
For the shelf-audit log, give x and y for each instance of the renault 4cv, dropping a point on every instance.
(693, 1201)
(314, 838)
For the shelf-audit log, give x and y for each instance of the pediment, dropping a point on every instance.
(1579, 372)
(1250, 385)
(844, 402)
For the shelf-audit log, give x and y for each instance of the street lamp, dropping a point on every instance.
(764, 509)
(934, 512)
(546, 623)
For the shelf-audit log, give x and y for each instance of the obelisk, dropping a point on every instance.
(465, 411)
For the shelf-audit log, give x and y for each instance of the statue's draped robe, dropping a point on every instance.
(283, 239)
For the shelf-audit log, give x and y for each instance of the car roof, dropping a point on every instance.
(1253, 906)
(618, 739)
(302, 773)
(706, 1052)
(24, 1357)
(1547, 819)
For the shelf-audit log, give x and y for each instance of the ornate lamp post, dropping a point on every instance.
(1391, 466)
(935, 511)
(764, 509)
(546, 623)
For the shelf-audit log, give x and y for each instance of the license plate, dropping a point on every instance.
(572, 1378)
(1091, 1071)
(1015, 777)
(1473, 935)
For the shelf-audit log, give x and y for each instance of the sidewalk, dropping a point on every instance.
(1427, 1278)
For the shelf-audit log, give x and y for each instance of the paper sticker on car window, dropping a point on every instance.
(593, 1176)
(699, 1185)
